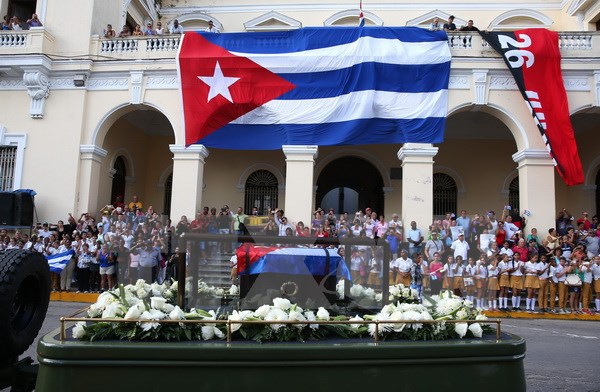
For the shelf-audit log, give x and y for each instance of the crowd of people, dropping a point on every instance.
(150, 30)
(481, 257)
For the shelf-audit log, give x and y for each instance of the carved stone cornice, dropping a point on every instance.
(37, 83)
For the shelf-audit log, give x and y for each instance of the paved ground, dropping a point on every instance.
(562, 355)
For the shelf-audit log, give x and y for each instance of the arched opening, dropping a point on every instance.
(445, 194)
(168, 195)
(139, 137)
(513, 195)
(349, 176)
(478, 146)
(118, 181)
(261, 191)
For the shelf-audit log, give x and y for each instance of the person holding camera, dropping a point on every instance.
(149, 259)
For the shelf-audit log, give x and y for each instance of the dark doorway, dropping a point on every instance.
(22, 8)
(261, 191)
(346, 176)
(168, 195)
(118, 183)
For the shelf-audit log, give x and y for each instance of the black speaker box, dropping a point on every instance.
(7, 209)
(23, 209)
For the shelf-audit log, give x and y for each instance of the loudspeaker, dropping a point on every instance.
(23, 209)
(7, 209)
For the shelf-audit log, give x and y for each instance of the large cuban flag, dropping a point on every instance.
(314, 86)
(59, 261)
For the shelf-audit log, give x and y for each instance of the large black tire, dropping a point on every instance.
(24, 298)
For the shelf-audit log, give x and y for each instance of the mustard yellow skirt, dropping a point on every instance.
(458, 282)
(532, 282)
(516, 282)
(493, 283)
(504, 281)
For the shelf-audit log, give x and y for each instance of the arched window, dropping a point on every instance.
(168, 194)
(261, 192)
(118, 182)
(513, 195)
(444, 194)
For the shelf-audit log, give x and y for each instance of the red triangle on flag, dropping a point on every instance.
(248, 84)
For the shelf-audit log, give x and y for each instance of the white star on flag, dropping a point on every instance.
(219, 84)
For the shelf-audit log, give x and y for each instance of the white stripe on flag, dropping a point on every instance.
(60, 260)
(381, 104)
(365, 49)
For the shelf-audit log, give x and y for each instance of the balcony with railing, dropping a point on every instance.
(462, 44)
(35, 40)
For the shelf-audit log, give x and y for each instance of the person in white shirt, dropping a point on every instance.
(493, 287)
(458, 271)
(516, 280)
(469, 279)
(402, 267)
(460, 247)
(532, 282)
(552, 283)
(543, 268)
(481, 274)
(176, 28)
(586, 288)
(449, 275)
(211, 28)
(415, 239)
(504, 271)
(561, 275)
(510, 228)
(595, 267)
(506, 250)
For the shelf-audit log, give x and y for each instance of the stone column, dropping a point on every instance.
(417, 185)
(299, 182)
(536, 188)
(188, 180)
(89, 178)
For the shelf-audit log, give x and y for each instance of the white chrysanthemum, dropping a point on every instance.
(234, 290)
(79, 330)
(476, 330)
(295, 315)
(322, 314)
(425, 315)
(356, 291)
(395, 291)
(141, 292)
(282, 303)
(95, 310)
(157, 302)
(369, 293)
(378, 297)
(462, 314)
(146, 326)
(168, 308)
(339, 288)
(276, 314)
(461, 329)
(413, 316)
(406, 292)
(105, 298)
(388, 309)
(176, 314)
(481, 317)
(168, 294)
(310, 316)
(262, 311)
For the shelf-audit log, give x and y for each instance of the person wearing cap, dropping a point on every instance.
(460, 246)
(211, 28)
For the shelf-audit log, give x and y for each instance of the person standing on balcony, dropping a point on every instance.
(16, 24)
(6, 25)
(159, 29)
(469, 26)
(176, 28)
(435, 25)
(110, 33)
(149, 29)
(125, 32)
(211, 28)
(34, 21)
(137, 31)
(450, 26)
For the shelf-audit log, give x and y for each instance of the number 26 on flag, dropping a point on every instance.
(516, 57)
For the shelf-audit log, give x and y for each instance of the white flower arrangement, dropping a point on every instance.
(398, 320)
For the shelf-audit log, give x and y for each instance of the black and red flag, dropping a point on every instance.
(533, 58)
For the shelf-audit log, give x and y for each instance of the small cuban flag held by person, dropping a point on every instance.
(59, 261)
(326, 86)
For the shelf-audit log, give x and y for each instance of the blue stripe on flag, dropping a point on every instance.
(376, 131)
(59, 261)
(421, 78)
(314, 37)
